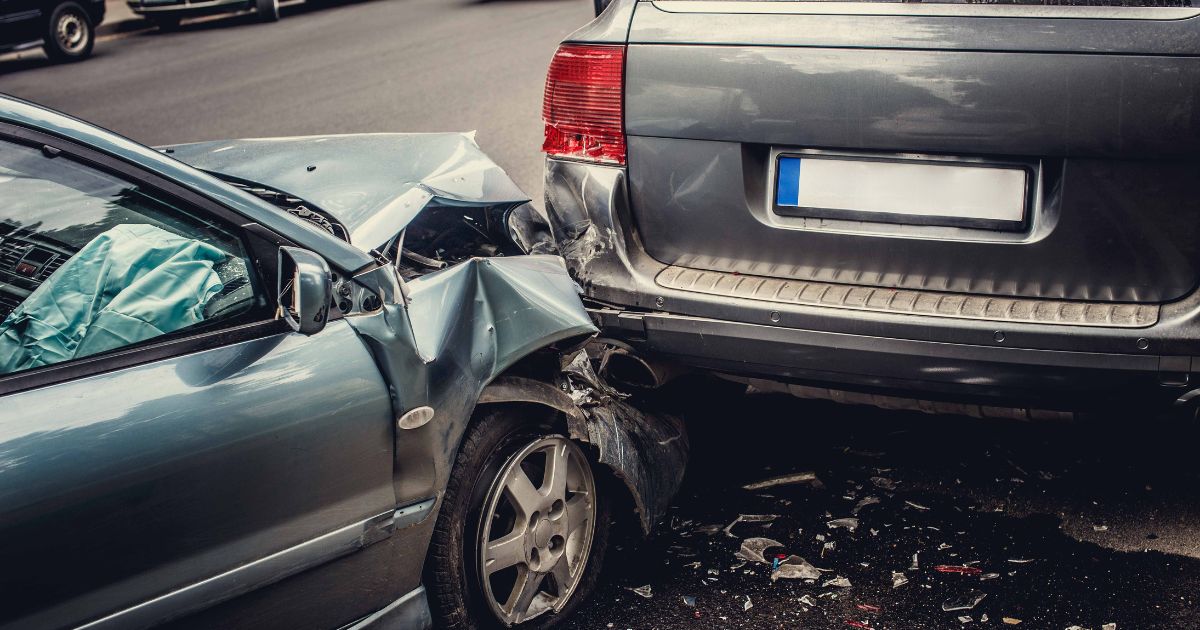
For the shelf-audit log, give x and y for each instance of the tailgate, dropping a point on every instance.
(1025, 151)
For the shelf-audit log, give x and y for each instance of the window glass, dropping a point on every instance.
(91, 263)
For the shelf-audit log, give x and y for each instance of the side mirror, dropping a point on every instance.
(305, 290)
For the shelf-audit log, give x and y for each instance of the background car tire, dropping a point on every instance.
(457, 595)
(69, 33)
(268, 10)
(166, 22)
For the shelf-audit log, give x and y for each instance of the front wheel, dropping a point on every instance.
(267, 10)
(69, 33)
(522, 530)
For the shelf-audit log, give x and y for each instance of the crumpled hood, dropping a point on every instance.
(373, 184)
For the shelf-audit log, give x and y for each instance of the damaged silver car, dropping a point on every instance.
(296, 383)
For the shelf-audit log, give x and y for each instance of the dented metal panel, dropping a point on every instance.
(374, 184)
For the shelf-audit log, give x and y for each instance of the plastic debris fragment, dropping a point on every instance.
(747, 605)
(957, 568)
(965, 619)
(1010, 621)
(748, 518)
(964, 602)
(808, 600)
(898, 579)
(752, 549)
(837, 582)
(642, 591)
(689, 601)
(844, 523)
(1109, 626)
(867, 607)
(883, 483)
(862, 503)
(915, 564)
(795, 568)
(989, 576)
(916, 506)
(858, 624)
(1099, 528)
(784, 480)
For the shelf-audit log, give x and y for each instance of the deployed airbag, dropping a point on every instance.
(130, 283)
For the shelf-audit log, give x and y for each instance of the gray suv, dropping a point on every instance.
(985, 208)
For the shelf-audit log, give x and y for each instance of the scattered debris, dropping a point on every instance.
(784, 480)
(1109, 626)
(944, 546)
(689, 601)
(965, 619)
(829, 546)
(747, 605)
(1020, 560)
(707, 530)
(858, 624)
(915, 565)
(957, 568)
(643, 591)
(795, 568)
(1099, 528)
(898, 579)
(752, 549)
(748, 518)
(1010, 621)
(964, 602)
(844, 523)
(807, 600)
(989, 576)
(864, 502)
(867, 607)
(916, 506)
(838, 582)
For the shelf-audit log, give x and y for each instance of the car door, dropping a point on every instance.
(19, 20)
(165, 443)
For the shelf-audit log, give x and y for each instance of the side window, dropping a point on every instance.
(91, 263)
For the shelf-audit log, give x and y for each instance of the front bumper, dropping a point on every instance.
(1004, 363)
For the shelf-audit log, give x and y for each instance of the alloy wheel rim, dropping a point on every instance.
(536, 530)
(71, 32)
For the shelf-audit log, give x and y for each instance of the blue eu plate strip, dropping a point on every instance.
(787, 192)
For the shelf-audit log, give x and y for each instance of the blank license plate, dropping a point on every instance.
(920, 193)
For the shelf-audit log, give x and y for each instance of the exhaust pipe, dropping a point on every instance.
(621, 367)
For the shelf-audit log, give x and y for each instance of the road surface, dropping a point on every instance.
(370, 66)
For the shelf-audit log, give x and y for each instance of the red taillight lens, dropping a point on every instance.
(584, 109)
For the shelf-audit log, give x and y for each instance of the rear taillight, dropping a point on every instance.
(583, 109)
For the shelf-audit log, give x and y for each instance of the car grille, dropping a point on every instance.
(902, 301)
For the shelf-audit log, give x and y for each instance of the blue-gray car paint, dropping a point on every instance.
(135, 486)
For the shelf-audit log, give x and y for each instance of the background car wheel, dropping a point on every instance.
(166, 22)
(522, 531)
(268, 10)
(69, 33)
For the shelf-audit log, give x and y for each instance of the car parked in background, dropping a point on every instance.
(166, 14)
(65, 29)
(983, 208)
(291, 386)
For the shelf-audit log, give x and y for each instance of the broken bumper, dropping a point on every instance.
(1000, 364)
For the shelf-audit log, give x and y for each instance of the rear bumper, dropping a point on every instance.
(1011, 364)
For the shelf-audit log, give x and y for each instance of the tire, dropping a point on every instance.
(69, 35)
(463, 594)
(267, 10)
(166, 23)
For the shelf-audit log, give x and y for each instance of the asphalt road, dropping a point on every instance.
(1056, 525)
(370, 66)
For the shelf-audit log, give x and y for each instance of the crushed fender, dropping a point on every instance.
(646, 450)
